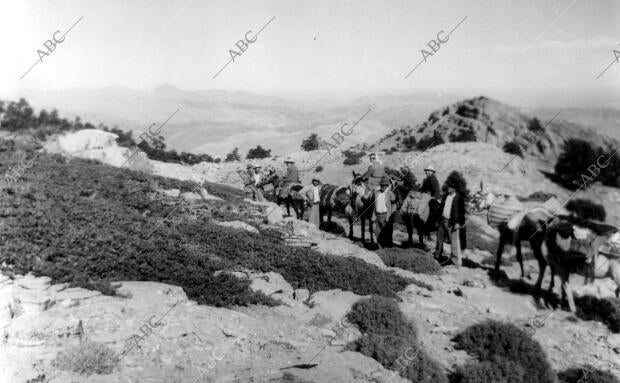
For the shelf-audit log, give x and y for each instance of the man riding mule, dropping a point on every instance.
(287, 189)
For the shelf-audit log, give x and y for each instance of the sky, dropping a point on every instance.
(364, 46)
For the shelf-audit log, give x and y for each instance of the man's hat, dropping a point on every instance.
(257, 167)
(317, 179)
(249, 166)
(430, 168)
(372, 154)
(289, 160)
(384, 182)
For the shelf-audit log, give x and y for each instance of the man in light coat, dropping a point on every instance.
(313, 198)
(384, 209)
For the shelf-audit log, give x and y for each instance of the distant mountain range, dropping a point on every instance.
(215, 122)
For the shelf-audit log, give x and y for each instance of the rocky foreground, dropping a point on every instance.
(161, 336)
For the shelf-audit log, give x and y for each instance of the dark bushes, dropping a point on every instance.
(90, 224)
(586, 374)
(258, 153)
(416, 261)
(513, 147)
(576, 160)
(352, 158)
(499, 343)
(605, 310)
(586, 209)
(498, 371)
(391, 340)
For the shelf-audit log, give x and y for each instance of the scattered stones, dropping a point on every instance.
(237, 225)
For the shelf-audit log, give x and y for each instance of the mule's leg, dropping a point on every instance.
(500, 250)
(569, 295)
(363, 227)
(520, 257)
(288, 206)
(542, 264)
(370, 226)
(330, 210)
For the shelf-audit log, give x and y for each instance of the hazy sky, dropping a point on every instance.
(367, 45)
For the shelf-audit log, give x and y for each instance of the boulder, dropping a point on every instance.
(237, 225)
(86, 139)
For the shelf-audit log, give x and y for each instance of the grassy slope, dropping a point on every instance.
(90, 224)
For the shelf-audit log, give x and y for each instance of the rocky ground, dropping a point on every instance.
(181, 341)
(185, 342)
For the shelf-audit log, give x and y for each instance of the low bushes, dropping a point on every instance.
(87, 358)
(505, 346)
(513, 147)
(586, 374)
(586, 209)
(499, 370)
(90, 224)
(391, 340)
(352, 158)
(414, 260)
(605, 310)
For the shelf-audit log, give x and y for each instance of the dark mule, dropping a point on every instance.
(533, 228)
(292, 198)
(334, 198)
(362, 206)
(413, 220)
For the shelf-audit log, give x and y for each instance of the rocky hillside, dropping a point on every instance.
(485, 120)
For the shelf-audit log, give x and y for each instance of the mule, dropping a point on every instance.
(412, 220)
(565, 261)
(362, 207)
(293, 198)
(532, 228)
(335, 198)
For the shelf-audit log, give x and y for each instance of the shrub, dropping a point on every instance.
(318, 169)
(463, 135)
(416, 261)
(258, 153)
(409, 142)
(500, 370)
(379, 315)
(586, 374)
(575, 159)
(310, 143)
(458, 181)
(467, 111)
(87, 358)
(352, 158)
(539, 196)
(492, 339)
(430, 141)
(586, 209)
(391, 340)
(513, 147)
(233, 156)
(534, 125)
(605, 310)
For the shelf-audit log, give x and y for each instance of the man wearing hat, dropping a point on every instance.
(291, 176)
(375, 172)
(249, 183)
(452, 221)
(313, 197)
(430, 185)
(384, 198)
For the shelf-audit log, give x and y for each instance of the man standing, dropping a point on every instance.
(313, 197)
(257, 177)
(291, 176)
(249, 184)
(451, 221)
(384, 198)
(375, 172)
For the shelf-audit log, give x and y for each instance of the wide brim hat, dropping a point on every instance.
(317, 179)
(430, 168)
(249, 166)
(257, 167)
(384, 182)
(289, 160)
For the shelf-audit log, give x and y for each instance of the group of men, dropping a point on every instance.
(451, 204)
